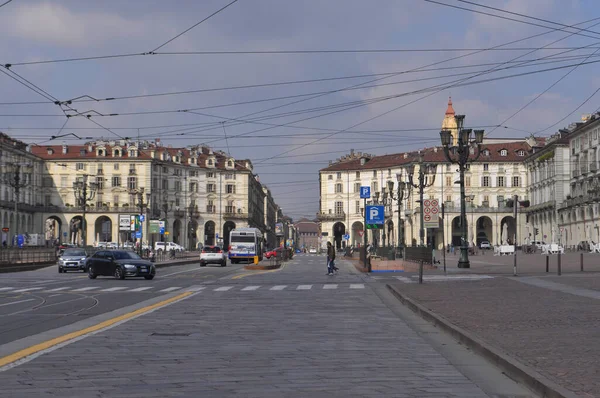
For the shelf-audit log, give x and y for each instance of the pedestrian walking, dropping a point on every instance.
(331, 268)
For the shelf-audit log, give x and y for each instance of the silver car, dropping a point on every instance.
(72, 259)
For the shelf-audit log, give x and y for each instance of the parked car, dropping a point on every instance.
(167, 246)
(485, 245)
(213, 255)
(72, 259)
(270, 253)
(120, 264)
(312, 250)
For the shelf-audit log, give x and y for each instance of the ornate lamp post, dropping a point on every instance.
(426, 170)
(166, 208)
(142, 205)
(84, 193)
(461, 155)
(17, 176)
(398, 197)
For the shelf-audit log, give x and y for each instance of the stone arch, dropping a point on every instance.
(176, 231)
(192, 232)
(357, 239)
(484, 228)
(511, 228)
(53, 230)
(339, 229)
(456, 238)
(75, 229)
(209, 233)
(227, 227)
(390, 233)
(103, 229)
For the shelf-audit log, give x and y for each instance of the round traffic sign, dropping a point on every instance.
(427, 209)
(434, 210)
(434, 202)
(427, 217)
(426, 202)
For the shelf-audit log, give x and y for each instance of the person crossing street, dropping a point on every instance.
(331, 268)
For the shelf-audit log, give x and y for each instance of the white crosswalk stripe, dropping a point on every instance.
(114, 289)
(223, 288)
(278, 287)
(304, 287)
(195, 288)
(3, 289)
(330, 286)
(86, 289)
(58, 289)
(170, 289)
(404, 279)
(357, 286)
(141, 289)
(247, 288)
(29, 289)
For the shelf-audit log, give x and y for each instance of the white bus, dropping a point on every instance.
(244, 244)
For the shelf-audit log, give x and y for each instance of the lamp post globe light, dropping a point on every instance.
(425, 170)
(398, 197)
(462, 156)
(84, 192)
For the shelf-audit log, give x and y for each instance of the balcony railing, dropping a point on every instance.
(593, 167)
(178, 213)
(235, 214)
(584, 169)
(331, 216)
(89, 209)
(211, 209)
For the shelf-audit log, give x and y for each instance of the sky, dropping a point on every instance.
(324, 84)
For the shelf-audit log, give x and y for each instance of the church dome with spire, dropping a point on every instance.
(449, 122)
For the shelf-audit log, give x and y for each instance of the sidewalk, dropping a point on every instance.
(549, 323)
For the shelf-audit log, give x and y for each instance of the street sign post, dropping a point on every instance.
(431, 210)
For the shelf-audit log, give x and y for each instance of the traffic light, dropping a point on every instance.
(536, 231)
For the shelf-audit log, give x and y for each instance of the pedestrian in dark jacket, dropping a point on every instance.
(331, 259)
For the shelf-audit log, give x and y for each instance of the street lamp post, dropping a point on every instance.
(166, 208)
(142, 205)
(16, 177)
(425, 170)
(461, 155)
(84, 192)
(398, 197)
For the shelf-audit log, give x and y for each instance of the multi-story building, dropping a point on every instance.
(198, 193)
(21, 171)
(270, 212)
(308, 233)
(578, 207)
(495, 177)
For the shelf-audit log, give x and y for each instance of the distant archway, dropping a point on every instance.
(227, 227)
(339, 230)
(53, 231)
(103, 229)
(209, 233)
(176, 231)
(192, 234)
(509, 230)
(484, 230)
(456, 232)
(391, 233)
(75, 230)
(357, 234)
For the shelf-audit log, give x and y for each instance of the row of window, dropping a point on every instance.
(501, 181)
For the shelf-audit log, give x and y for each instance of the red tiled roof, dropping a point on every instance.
(74, 153)
(435, 155)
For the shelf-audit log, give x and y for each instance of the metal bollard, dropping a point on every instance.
(581, 261)
(559, 265)
(421, 271)
(547, 262)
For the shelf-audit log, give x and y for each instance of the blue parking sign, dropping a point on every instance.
(365, 192)
(375, 214)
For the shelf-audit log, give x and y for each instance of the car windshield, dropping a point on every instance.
(125, 256)
(74, 253)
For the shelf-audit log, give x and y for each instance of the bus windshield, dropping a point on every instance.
(242, 239)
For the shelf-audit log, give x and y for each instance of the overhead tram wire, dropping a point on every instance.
(193, 26)
(424, 66)
(5, 3)
(572, 112)
(418, 99)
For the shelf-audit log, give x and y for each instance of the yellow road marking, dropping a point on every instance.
(259, 272)
(16, 356)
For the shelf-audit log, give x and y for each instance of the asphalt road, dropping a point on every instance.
(291, 332)
(36, 301)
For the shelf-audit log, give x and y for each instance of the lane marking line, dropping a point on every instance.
(247, 288)
(223, 289)
(170, 289)
(357, 286)
(304, 287)
(16, 302)
(278, 287)
(2, 289)
(58, 289)
(195, 288)
(30, 353)
(182, 272)
(259, 273)
(330, 286)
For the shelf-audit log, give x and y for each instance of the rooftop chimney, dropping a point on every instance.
(65, 148)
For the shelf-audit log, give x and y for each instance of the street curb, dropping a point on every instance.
(360, 268)
(21, 268)
(514, 369)
(261, 267)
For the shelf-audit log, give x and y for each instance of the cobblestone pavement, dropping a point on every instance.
(554, 332)
(259, 343)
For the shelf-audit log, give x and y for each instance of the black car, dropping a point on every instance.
(120, 264)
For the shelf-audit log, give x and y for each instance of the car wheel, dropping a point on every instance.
(119, 273)
(149, 277)
(60, 270)
(91, 273)
(202, 264)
